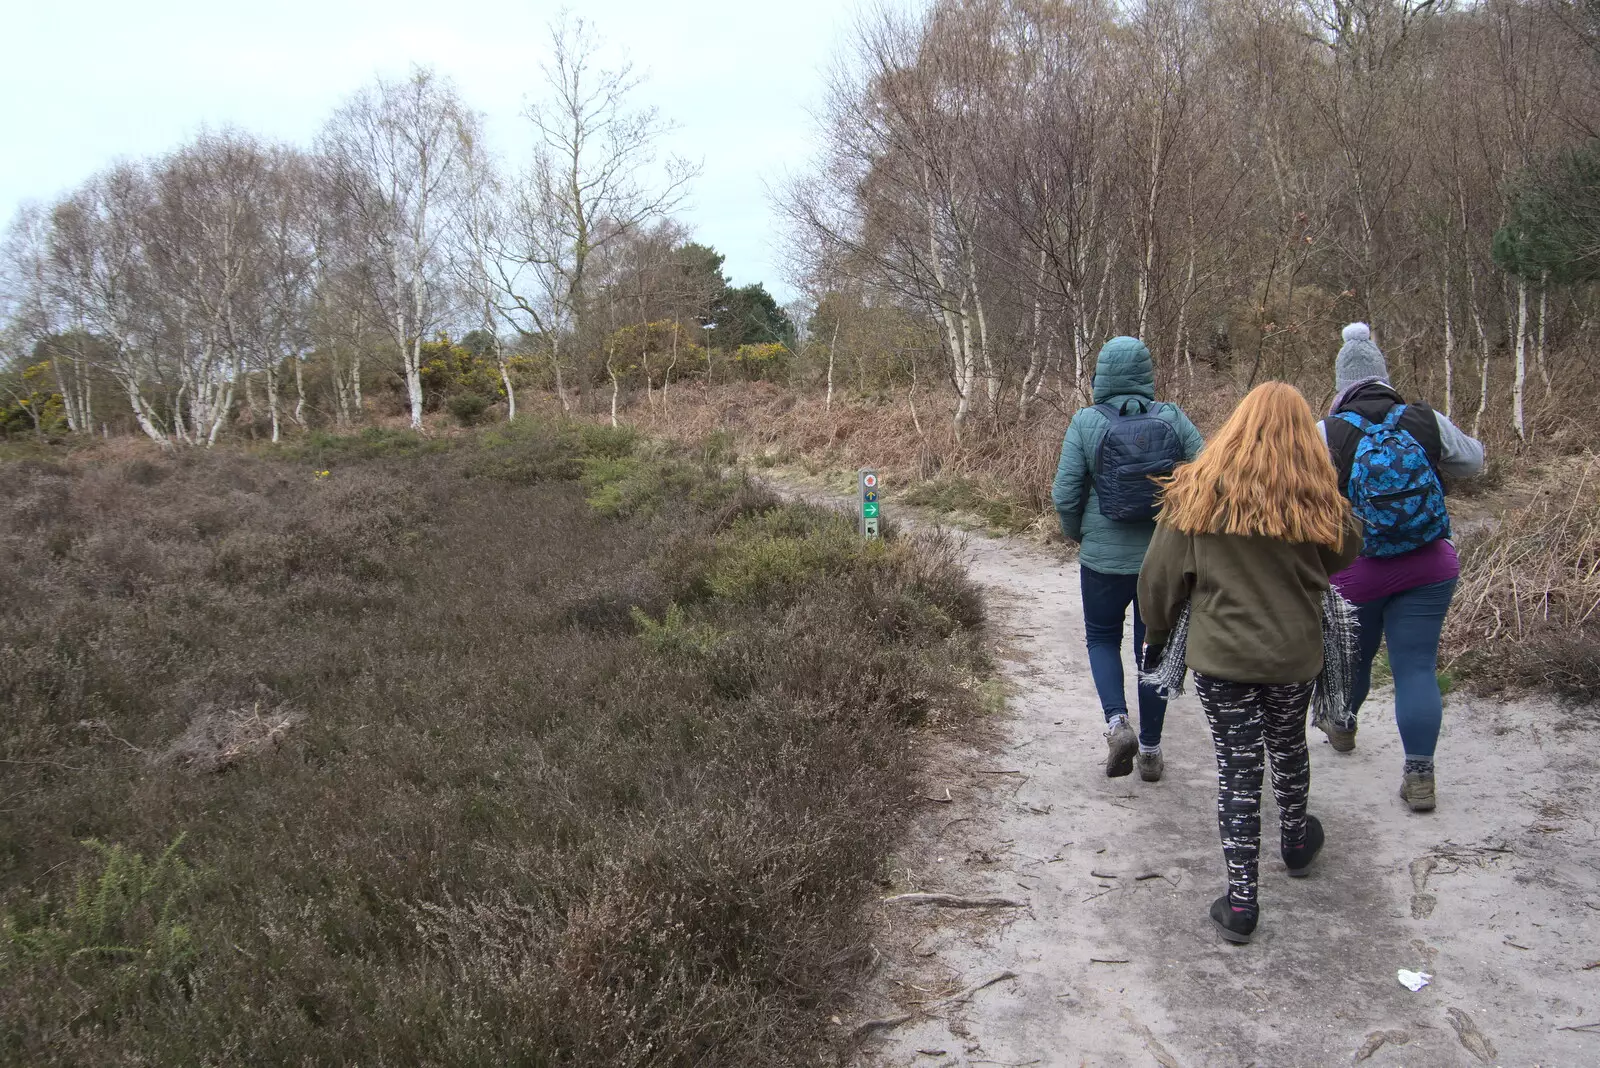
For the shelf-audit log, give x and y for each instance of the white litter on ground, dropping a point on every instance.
(1413, 981)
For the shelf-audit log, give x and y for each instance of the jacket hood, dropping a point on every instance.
(1124, 369)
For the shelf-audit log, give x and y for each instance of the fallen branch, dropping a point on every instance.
(1109, 960)
(953, 901)
(957, 998)
(866, 1027)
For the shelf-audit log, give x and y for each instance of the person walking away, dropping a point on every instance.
(1392, 458)
(1249, 536)
(1105, 496)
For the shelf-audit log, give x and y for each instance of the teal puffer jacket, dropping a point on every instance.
(1124, 372)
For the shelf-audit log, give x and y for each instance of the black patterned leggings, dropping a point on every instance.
(1243, 716)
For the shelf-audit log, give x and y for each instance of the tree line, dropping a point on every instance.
(1001, 185)
(201, 288)
(1229, 179)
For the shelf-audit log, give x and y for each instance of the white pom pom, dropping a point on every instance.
(1358, 332)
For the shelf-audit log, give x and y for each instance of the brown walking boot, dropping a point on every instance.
(1416, 790)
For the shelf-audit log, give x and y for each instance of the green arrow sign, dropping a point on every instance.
(870, 509)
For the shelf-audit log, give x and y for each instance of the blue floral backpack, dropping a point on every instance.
(1393, 489)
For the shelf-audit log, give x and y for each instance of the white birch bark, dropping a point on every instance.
(1519, 383)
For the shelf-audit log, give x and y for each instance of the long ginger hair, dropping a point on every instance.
(1267, 472)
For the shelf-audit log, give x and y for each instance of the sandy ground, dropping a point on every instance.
(1114, 962)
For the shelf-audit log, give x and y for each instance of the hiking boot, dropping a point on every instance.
(1123, 745)
(1298, 860)
(1343, 741)
(1236, 925)
(1151, 766)
(1416, 790)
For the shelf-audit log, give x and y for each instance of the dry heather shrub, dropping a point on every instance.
(1527, 612)
(521, 788)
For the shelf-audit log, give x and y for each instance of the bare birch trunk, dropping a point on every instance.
(957, 337)
(833, 342)
(299, 392)
(1449, 346)
(1483, 351)
(1538, 352)
(615, 388)
(250, 400)
(142, 413)
(1519, 383)
(272, 401)
(511, 392)
(555, 363)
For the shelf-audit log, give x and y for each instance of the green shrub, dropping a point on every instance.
(757, 562)
(607, 442)
(468, 408)
(322, 449)
(675, 635)
(526, 451)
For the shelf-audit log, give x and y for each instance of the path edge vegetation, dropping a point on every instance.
(130, 935)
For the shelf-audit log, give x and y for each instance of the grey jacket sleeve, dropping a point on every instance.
(1460, 455)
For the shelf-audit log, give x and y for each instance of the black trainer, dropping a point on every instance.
(1298, 860)
(1233, 924)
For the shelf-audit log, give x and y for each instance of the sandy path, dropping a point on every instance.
(1497, 894)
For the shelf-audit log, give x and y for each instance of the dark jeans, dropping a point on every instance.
(1105, 610)
(1251, 722)
(1411, 621)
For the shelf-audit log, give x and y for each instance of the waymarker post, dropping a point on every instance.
(869, 503)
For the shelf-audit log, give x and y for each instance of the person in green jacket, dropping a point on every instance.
(1249, 537)
(1111, 552)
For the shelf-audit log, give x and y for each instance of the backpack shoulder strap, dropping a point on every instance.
(1392, 420)
(1342, 435)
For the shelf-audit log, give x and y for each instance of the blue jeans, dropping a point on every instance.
(1105, 610)
(1411, 621)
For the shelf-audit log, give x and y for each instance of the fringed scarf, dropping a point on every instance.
(1330, 698)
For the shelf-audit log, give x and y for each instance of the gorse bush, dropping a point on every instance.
(476, 772)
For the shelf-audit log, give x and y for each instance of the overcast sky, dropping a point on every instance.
(87, 81)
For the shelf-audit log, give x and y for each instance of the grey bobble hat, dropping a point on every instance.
(1359, 359)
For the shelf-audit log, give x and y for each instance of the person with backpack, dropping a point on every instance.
(1106, 498)
(1392, 458)
(1249, 538)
